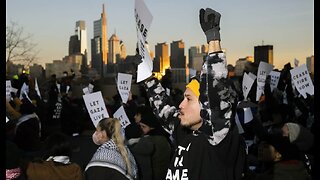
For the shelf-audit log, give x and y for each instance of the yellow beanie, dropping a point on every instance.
(194, 85)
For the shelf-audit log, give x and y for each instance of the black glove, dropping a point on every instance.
(210, 23)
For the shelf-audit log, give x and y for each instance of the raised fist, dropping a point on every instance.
(210, 23)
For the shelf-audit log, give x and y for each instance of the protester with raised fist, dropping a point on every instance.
(208, 145)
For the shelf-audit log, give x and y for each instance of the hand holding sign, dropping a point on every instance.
(143, 20)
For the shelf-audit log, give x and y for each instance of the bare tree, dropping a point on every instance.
(19, 47)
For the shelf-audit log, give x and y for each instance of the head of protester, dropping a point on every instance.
(203, 128)
(112, 158)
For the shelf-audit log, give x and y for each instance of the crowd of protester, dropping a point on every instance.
(54, 137)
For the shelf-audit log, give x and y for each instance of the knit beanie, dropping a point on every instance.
(294, 130)
(148, 118)
(194, 85)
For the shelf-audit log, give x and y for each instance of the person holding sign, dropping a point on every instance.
(208, 144)
(112, 160)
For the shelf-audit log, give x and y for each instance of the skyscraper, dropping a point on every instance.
(114, 49)
(99, 43)
(162, 57)
(263, 53)
(177, 58)
(81, 31)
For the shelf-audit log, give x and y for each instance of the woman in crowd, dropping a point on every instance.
(112, 160)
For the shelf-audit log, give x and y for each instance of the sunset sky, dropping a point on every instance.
(288, 25)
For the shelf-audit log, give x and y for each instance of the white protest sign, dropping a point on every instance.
(253, 76)
(122, 116)
(58, 86)
(86, 90)
(302, 80)
(192, 72)
(296, 62)
(26, 94)
(143, 19)
(8, 90)
(24, 88)
(96, 107)
(240, 129)
(36, 87)
(124, 86)
(263, 71)
(90, 87)
(247, 83)
(14, 90)
(274, 79)
(247, 115)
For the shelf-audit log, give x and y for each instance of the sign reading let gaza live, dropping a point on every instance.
(96, 107)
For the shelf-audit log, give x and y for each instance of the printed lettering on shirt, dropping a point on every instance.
(179, 174)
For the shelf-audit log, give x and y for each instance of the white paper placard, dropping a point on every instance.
(274, 79)
(124, 86)
(247, 115)
(85, 90)
(122, 116)
(263, 71)
(240, 129)
(302, 80)
(24, 88)
(247, 83)
(96, 107)
(8, 90)
(143, 19)
(90, 87)
(192, 72)
(36, 87)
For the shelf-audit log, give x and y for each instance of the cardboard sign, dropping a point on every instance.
(247, 83)
(274, 79)
(8, 90)
(36, 87)
(96, 107)
(24, 88)
(122, 116)
(302, 80)
(124, 86)
(263, 71)
(143, 19)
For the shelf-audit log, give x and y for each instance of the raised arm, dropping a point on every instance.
(217, 96)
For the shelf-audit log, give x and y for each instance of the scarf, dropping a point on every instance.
(108, 155)
(13, 173)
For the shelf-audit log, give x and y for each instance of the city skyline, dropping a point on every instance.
(287, 25)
